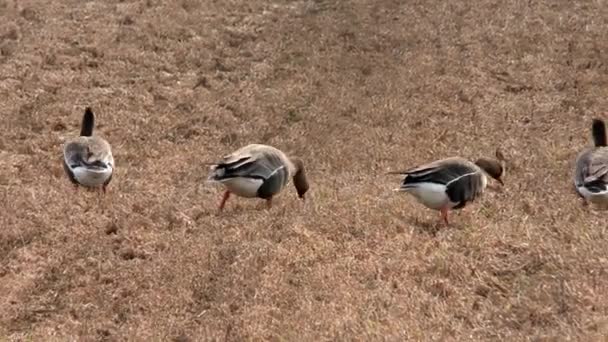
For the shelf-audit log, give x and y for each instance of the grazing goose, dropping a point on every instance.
(591, 170)
(87, 159)
(258, 171)
(449, 183)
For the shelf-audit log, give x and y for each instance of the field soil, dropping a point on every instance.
(354, 88)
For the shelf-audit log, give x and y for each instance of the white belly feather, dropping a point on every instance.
(600, 198)
(432, 195)
(91, 177)
(242, 186)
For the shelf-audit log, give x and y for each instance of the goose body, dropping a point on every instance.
(87, 159)
(591, 168)
(449, 184)
(260, 171)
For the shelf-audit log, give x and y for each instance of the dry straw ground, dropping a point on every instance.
(355, 88)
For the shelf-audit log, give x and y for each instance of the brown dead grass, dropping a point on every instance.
(355, 88)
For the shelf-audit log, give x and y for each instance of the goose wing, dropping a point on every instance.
(443, 171)
(250, 162)
(88, 152)
(462, 179)
(592, 168)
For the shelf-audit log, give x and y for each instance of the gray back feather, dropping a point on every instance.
(261, 165)
(591, 166)
(73, 154)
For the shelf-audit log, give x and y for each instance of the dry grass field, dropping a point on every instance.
(356, 88)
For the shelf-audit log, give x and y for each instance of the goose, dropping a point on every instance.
(450, 183)
(87, 159)
(591, 169)
(260, 171)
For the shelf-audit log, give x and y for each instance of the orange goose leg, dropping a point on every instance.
(224, 199)
(444, 216)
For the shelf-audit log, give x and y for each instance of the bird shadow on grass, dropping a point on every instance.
(430, 226)
(231, 210)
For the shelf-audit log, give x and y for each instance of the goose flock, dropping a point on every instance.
(262, 171)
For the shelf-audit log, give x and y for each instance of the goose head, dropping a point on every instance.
(299, 178)
(492, 167)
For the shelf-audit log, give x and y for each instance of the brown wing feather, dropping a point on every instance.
(597, 166)
(438, 164)
(89, 149)
(99, 147)
(255, 161)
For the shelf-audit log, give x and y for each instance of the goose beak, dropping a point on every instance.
(500, 181)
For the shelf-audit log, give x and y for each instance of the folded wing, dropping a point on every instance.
(463, 181)
(592, 170)
(255, 165)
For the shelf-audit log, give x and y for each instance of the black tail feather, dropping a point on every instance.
(88, 123)
(599, 132)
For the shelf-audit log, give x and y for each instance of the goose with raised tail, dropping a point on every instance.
(591, 169)
(450, 183)
(260, 171)
(87, 159)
